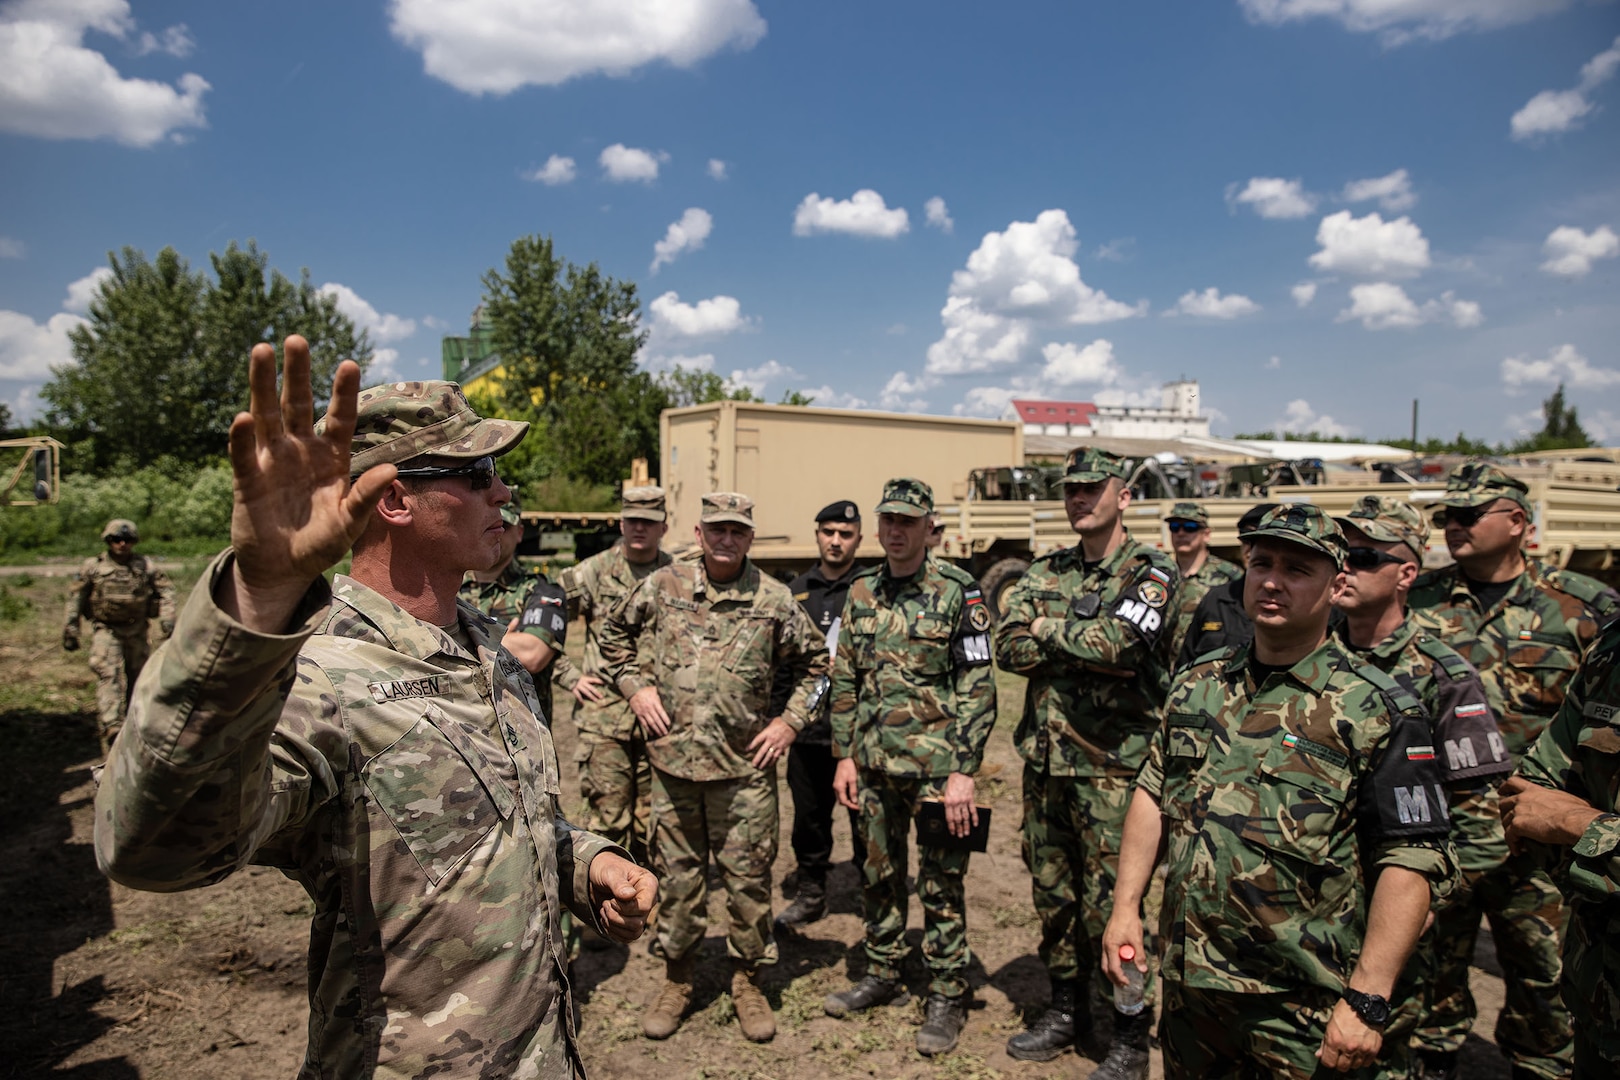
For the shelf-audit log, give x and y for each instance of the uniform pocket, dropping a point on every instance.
(1187, 739)
(1300, 801)
(1539, 667)
(930, 639)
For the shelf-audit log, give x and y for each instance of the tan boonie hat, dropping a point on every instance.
(404, 420)
(721, 506)
(1476, 483)
(646, 503)
(1188, 511)
(121, 529)
(1389, 521)
(1304, 524)
(1088, 465)
(908, 497)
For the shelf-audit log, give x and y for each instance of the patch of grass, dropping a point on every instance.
(1013, 915)
(620, 1022)
(802, 999)
(960, 1066)
(137, 939)
(13, 606)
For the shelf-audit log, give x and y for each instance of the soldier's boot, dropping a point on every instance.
(808, 906)
(1128, 1057)
(943, 1020)
(664, 1015)
(1436, 1065)
(753, 1011)
(865, 994)
(1056, 1029)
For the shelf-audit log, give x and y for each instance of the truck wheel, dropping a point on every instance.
(998, 582)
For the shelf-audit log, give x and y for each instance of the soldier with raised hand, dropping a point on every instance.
(615, 776)
(370, 739)
(119, 592)
(913, 703)
(1199, 568)
(1295, 792)
(1090, 627)
(1524, 626)
(1566, 802)
(694, 650)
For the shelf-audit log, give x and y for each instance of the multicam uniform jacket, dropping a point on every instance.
(1280, 800)
(711, 649)
(1100, 667)
(595, 588)
(1579, 752)
(120, 596)
(538, 605)
(1526, 647)
(913, 689)
(410, 787)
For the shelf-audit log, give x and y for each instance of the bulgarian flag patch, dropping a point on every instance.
(1479, 709)
(1158, 575)
(1290, 740)
(1420, 753)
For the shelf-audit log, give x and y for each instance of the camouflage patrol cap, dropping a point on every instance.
(1088, 464)
(121, 529)
(908, 497)
(1188, 511)
(1476, 483)
(645, 503)
(1389, 521)
(512, 510)
(404, 420)
(721, 506)
(1306, 525)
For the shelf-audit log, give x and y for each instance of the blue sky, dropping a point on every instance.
(1320, 209)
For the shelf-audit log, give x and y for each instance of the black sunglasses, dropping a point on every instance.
(480, 474)
(1466, 516)
(1366, 558)
(1182, 526)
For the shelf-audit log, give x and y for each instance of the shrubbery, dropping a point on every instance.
(189, 505)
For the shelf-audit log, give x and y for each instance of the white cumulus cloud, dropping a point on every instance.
(1401, 21)
(1210, 304)
(686, 234)
(557, 170)
(625, 164)
(497, 46)
(81, 292)
(1299, 418)
(1571, 252)
(936, 214)
(1068, 364)
(862, 214)
(988, 401)
(1370, 246)
(1383, 305)
(1272, 197)
(714, 317)
(1563, 365)
(384, 366)
(384, 329)
(1303, 293)
(53, 86)
(28, 350)
(903, 392)
(1015, 283)
(717, 169)
(1553, 111)
(757, 378)
(1393, 192)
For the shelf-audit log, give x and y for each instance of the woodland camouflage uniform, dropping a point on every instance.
(529, 596)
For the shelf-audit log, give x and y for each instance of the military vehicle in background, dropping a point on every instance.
(37, 475)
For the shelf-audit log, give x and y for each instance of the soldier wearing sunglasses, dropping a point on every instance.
(1524, 625)
(1201, 571)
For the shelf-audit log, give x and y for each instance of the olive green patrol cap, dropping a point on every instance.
(1306, 525)
(121, 529)
(1087, 465)
(400, 421)
(908, 497)
(1389, 521)
(721, 506)
(1188, 511)
(645, 503)
(1476, 483)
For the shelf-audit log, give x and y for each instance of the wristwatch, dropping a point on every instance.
(1373, 1010)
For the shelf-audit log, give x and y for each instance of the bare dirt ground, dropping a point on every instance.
(98, 981)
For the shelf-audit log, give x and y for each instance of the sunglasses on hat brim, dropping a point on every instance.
(480, 473)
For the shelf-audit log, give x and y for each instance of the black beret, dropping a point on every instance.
(1251, 518)
(842, 510)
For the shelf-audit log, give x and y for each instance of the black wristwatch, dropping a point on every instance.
(1373, 1010)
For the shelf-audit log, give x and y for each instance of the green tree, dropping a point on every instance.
(684, 386)
(5, 419)
(797, 397)
(1560, 430)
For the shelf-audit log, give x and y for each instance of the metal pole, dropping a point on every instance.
(1414, 424)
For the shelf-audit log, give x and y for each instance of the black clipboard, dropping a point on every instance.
(932, 830)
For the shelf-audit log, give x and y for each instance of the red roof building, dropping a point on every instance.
(1053, 417)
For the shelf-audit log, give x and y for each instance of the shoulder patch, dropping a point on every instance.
(1399, 697)
(957, 574)
(1589, 591)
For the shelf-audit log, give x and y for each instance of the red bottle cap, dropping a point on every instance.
(1127, 952)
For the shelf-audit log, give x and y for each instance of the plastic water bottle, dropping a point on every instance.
(1128, 998)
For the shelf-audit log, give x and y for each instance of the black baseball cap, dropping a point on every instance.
(1250, 520)
(842, 510)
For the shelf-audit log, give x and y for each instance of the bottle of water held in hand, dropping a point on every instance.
(1128, 998)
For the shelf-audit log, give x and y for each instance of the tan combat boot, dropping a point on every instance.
(664, 1015)
(753, 1011)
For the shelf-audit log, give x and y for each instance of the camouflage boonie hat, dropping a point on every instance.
(645, 503)
(1304, 524)
(121, 529)
(1188, 511)
(1475, 483)
(1087, 465)
(721, 506)
(1389, 521)
(906, 496)
(404, 420)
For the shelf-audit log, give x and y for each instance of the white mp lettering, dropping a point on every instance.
(1460, 754)
(1411, 805)
(1498, 746)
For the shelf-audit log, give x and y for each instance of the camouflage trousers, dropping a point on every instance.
(116, 658)
(1209, 1034)
(615, 780)
(888, 805)
(735, 821)
(1592, 987)
(1072, 829)
(1527, 918)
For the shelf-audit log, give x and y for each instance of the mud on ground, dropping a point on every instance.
(105, 983)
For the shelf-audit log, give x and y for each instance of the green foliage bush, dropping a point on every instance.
(168, 502)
